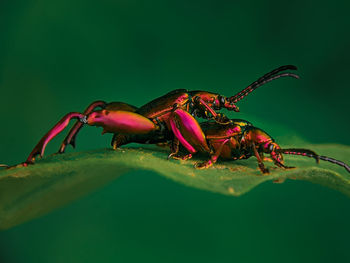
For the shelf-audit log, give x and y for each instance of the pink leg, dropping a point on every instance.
(113, 106)
(40, 147)
(70, 138)
(188, 131)
(118, 121)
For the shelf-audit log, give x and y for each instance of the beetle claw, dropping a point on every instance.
(203, 165)
(265, 171)
(179, 157)
(170, 156)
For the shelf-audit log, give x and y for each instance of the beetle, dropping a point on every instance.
(158, 117)
(239, 139)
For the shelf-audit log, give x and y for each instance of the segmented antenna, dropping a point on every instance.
(312, 154)
(263, 80)
(298, 151)
(325, 158)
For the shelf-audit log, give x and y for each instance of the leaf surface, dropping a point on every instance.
(29, 192)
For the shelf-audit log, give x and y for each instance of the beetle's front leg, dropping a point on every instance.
(218, 117)
(262, 167)
(277, 156)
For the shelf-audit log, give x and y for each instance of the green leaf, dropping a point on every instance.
(29, 192)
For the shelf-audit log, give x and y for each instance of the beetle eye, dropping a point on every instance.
(222, 100)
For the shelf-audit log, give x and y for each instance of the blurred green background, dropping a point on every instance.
(58, 56)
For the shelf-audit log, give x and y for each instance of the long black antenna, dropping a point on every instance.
(311, 154)
(263, 80)
(325, 158)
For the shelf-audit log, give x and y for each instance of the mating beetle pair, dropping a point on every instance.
(167, 118)
(155, 117)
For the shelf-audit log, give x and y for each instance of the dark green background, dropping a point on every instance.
(58, 56)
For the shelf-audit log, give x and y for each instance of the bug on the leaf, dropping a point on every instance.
(156, 119)
(239, 139)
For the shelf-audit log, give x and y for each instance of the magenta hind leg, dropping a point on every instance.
(70, 138)
(113, 106)
(188, 131)
(40, 147)
(118, 121)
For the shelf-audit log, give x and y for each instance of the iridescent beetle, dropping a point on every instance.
(239, 139)
(157, 118)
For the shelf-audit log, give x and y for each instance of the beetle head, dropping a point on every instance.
(226, 103)
(215, 101)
